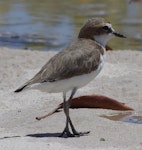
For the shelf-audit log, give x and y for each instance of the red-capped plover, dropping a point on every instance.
(75, 66)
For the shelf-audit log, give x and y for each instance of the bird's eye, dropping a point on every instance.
(106, 28)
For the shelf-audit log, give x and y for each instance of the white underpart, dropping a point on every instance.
(68, 84)
(103, 39)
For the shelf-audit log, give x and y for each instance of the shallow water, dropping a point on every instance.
(52, 24)
(131, 117)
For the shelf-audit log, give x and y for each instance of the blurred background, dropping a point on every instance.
(53, 24)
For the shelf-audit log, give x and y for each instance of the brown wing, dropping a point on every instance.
(81, 57)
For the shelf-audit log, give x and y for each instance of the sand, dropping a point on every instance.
(121, 79)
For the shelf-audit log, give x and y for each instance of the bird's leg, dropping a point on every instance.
(70, 122)
(70, 100)
(75, 133)
(66, 111)
(66, 106)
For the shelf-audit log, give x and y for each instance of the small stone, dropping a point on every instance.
(102, 139)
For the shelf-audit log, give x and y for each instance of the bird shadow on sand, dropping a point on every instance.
(44, 135)
(8, 137)
(36, 135)
(59, 135)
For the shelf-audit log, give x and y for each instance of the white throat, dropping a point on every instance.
(102, 39)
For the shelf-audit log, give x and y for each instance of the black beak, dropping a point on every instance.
(119, 35)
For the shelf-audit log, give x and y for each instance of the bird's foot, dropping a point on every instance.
(78, 134)
(67, 133)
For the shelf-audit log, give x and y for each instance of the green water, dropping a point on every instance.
(52, 24)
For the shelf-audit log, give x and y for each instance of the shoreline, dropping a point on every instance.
(120, 79)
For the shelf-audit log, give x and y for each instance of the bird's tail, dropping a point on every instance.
(21, 88)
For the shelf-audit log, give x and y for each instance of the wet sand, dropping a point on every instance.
(121, 79)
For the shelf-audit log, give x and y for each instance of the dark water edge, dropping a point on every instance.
(52, 25)
(127, 116)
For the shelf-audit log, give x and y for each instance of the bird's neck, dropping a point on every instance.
(102, 39)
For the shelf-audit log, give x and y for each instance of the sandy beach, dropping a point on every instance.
(121, 79)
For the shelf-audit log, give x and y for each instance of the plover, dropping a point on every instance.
(75, 66)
